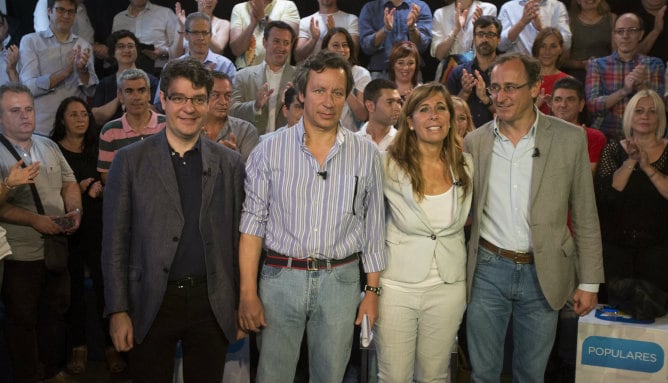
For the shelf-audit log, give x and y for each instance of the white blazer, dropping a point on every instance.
(411, 242)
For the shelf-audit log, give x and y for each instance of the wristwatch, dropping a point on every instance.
(376, 290)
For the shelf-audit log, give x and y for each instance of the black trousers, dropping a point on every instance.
(185, 314)
(36, 302)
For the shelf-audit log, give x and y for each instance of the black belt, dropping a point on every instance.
(312, 264)
(189, 281)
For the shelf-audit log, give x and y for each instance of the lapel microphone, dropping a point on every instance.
(536, 153)
(322, 175)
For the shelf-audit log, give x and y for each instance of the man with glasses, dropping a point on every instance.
(235, 133)
(524, 263)
(612, 80)
(257, 89)
(56, 63)
(170, 239)
(198, 35)
(138, 122)
(469, 80)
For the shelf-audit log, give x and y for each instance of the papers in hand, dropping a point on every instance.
(366, 335)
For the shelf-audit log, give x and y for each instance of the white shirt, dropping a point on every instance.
(384, 143)
(154, 24)
(553, 13)
(361, 77)
(274, 81)
(341, 19)
(444, 22)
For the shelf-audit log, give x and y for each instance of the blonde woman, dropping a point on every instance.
(428, 191)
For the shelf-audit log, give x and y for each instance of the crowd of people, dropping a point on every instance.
(217, 179)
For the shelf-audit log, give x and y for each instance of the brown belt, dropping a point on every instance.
(515, 256)
(311, 264)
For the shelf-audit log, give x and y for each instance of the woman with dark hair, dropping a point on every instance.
(548, 48)
(354, 113)
(123, 46)
(404, 64)
(76, 134)
(428, 193)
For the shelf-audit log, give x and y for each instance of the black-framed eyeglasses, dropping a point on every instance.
(507, 88)
(65, 11)
(489, 35)
(626, 31)
(198, 33)
(180, 99)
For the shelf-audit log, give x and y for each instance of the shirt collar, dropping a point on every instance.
(404, 4)
(48, 33)
(300, 133)
(530, 134)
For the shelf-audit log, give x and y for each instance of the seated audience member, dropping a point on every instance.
(340, 41)
(292, 110)
(426, 255)
(56, 63)
(257, 88)
(568, 102)
(548, 48)
(9, 54)
(382, 100)
(235, 133)
(248, 25)
(404, 64)
(76, 134)
(154, 25)
(469, 81)
(312, 29)
(632, 195)
(198, 35)
(523, 19)
(653, 14)
(123, 46)
(453, 26)
(612, 80)
(463, 118)
(36, 298)
(385, 23)
(220, 28)
(591, 25)
(138, 121)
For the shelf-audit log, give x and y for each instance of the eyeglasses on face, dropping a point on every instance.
(64, 11)
(181, 99)
(510, 89)
(626, 31)
(489, 35)
(121, 47)
(199, 33)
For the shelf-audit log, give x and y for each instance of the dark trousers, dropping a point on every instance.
(36, 302)
(185, 314)
(80, 258)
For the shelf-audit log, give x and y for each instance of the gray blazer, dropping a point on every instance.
(143, 221)
(561, 180)
(247, 82)
(411, 241)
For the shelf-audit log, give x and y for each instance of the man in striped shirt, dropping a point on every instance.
(315, 198)
(138, 121)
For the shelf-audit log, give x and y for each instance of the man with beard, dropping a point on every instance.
(235, 133)
(138, 121)
(383, 101)
(469, 80)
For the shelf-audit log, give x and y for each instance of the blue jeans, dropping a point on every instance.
(501, 290)
(325, 303)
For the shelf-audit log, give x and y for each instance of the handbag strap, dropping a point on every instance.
(33, 188)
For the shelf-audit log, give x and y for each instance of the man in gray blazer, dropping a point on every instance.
(171, 217)
(258, 88)
(524, 263)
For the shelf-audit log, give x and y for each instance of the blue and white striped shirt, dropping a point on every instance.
(302, 215)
